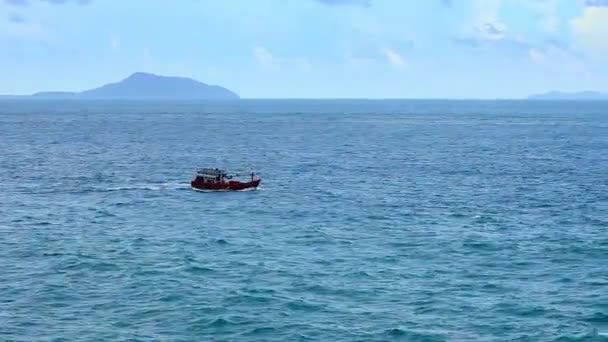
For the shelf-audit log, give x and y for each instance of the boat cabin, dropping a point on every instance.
(211, 175)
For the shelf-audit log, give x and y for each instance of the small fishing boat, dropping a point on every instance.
(209, 179)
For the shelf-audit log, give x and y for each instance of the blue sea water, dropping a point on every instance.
(375, 221)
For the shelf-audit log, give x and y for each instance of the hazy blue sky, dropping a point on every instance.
(310, 48)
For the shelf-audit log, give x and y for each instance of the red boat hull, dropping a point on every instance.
(201, 185)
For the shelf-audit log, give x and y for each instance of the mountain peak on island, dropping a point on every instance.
(151, 86)
(142, 85)
(144, 76)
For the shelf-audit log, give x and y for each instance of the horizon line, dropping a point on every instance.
(33, 98)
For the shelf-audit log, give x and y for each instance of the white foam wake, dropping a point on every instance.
(151, 187)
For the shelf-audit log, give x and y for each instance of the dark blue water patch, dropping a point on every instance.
(598, 318)
(480, 245)
(221, 322)
(175, 298)
(237, 298)
(260, 331)
(93, 266)
(402, 334)
(359, 275)
(300, 305)
(523, 310)
(199, 270)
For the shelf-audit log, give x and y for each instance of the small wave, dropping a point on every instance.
(241, 298)
(597, 318)
(220, 322)
(301, 305)
(461, 215)
(485, 219)
(199, 270)
(396, 332)
(593, 335)
(376, 217)
(43, 223)
(95, 266)
(53, 254)
(171, 298)
(100, 213)
(402, 333)
(360, 274)
(480, 245)
(260, 330)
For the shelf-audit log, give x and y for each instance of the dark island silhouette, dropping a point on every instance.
(141, 85)
(581, 95)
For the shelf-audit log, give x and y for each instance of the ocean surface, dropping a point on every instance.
(375, 221)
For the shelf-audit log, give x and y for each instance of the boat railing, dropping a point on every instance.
(211, 174)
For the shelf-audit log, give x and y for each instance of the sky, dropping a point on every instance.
(310, 48)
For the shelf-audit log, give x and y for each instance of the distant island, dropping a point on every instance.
(142, 85)
(582, 95)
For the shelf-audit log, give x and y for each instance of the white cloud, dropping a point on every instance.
(358, 63)
(546, 11)
(537, 56)
(147, 58)
(557, 60)
(30, 31)
(115, 42)
(394, 58)
(484, 25)
(265, 57)
(270, 61)
(591, 31)
(550, 23)
(488, 31)
(303, 64)
(485, 12)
